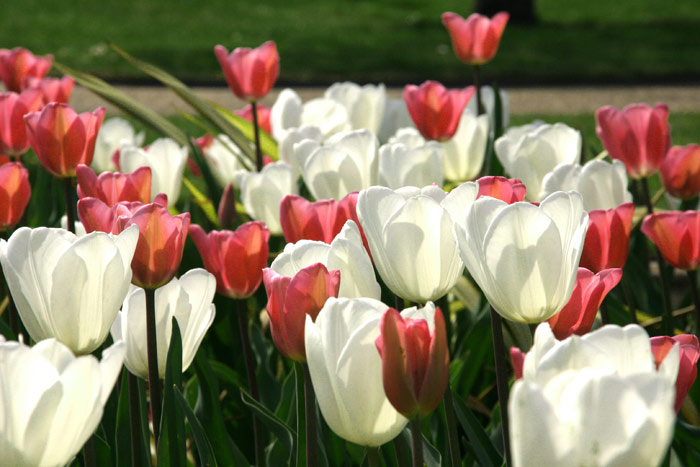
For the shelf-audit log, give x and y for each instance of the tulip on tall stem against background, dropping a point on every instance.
(436, 111)
(18, 64)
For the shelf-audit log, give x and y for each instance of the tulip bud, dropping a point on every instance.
(475, 39)
(13, 107)
(677, 235)
(607, 239)
(435, 110)
(14, 194)
(415, 362)
(18, 64)
(52, 89)
(517, 359)
(364, 104)
(680, 171)
(689, 351)
(508, 190)
(250, 73)
(262, 192)
(226, 213)
(321, 220)
(114, 187)
(464, 154)
(401, 166)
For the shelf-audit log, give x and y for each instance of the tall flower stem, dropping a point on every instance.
(153, 377)
(256, 129)
(501, 380)
(416, 442)
(452, 438)
(135, 419)
(310, 414)
(477, 84)
(693, 278)
(69, 195)
(373, 456)
(242, 313)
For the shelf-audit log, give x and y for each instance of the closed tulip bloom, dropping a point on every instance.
(63, 139)
(346, 371)
(224, 158)
(415, 360)
(475, 39)
(401, 166)
(250, 73)
(677, 235)
(593, 400)
(289, 112)
(291, 299)
(14, 193)
(464, 153)
(638, 135)
(364, 104)
(396, 118)
(95, 214)
(114, 134)
(187, 299)
(524, 257)
(608, 237)
(52, 89)
(236, 258)
(13, 130)
(263, 116)
(579, 313)
(67, 287)
(689, 351)
(18, 64)
(292, 138)
(262, 193)
(114, 187)
(680, 171)
(436, 111)
(321, 220)
(51, 401)
(509, 190)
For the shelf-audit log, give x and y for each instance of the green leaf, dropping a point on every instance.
(267, 144)
(206, 454)
(301, 414)
(122, 436)
(484, 450)
(171, 445)
(202, 201)
(431, 456)
(285, 434)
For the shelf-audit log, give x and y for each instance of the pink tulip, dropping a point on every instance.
(689, 351)
(53, 89)
(517, 359)
(13, 130)
(263, 116)
(680, 171)
(18, 64)
(608, 237)
(320, 220)
(250, 73)
(435, 110)
(14, 193)
(677, 235)
(63, 139)
(113, 187)
(236, 258)
(415, 362)
(638, 135)
(508, 190)
(226, 213)
(290, 299)
(475, 39)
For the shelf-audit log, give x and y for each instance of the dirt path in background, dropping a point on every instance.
(547, 100)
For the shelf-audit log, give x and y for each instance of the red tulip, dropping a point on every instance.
(578, 314)
(235, 258)
(63, 139)
(680, 171)
(517, 359)
(677, 235)
(18, 64)
(415, 362)
(508, 190)
(113, 187)
(53, 89)
(14, 193)
(435, 110)
(263, 116)
(13, 130)
(607, 239)
(250, 73)
(320, 220)
(290, 299)
(638, 135)
(688, 353)
(475, 39)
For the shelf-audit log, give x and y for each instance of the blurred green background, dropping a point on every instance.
(394, 41)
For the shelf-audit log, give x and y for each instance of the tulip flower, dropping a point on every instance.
(689, 351)
(415, 360)
(13, 130)
(530, 152)
(488, 102)
(263, 116)
(580, 311)
(465, 152)
(167, 162)
(226, 212)
(250, 73)
(410, 237)
(508, 190)
(364, 104)
(18, 64)
(291, 299)
(224, 158)
(63, 139)
(523, 257)
(52, 89)
(114, 187)
(320, 220)
(680, 171)
(396, 118)
(51, 401)
(677, 235)
(235, 258)
(113, 135)
(475, 39)
(187, 299)
(262, 192)
(401, 166)
(292, 137)
(346, 371)
(435, 110)
(638, 135)
(14, 194)
(67, 287)
(607, 239)
(288, 112)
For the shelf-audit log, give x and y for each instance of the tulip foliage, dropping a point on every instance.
(375, 261)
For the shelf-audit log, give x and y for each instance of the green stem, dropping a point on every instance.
(501, 380)
(477, 84)
(89, 456)
(401, 458)
(693, 278)
(256, 128)
(372, 456)
(452, 438)
(310, 413)
(68, 194)
(135, 419)
(153, 376)
(416, 442)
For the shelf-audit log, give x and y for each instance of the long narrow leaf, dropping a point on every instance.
(171, 445)
(483, 449)
(202, 201)
(285, 434)
(206, 454)
(267, 144)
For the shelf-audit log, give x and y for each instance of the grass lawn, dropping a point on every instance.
(394, 41)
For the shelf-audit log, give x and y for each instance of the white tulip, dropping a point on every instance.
(489, 103)
(346, 253)
(602, 184)
(262, 192)
(396, 116)
(465, 152)
(167, 162)
(401, 166)
(408, 136)
(532, 151)
(523, 257)
(364, 104)
(292, 137)
(188, 299)
(51, 401)
(114, 134)
(224, 160)
(285, 113)
(593, 400)
(68, 287)
(288, 112)
(346, 371)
